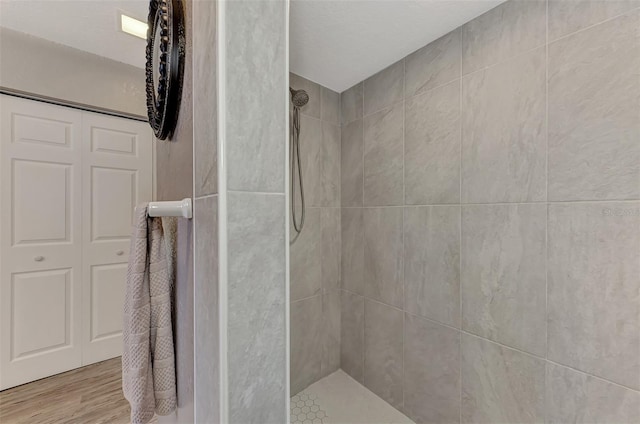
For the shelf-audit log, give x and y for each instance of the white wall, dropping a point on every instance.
(41, 67)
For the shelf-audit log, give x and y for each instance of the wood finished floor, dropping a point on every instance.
(88, 395)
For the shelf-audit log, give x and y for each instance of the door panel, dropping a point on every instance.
(117, 164)
(40, 240)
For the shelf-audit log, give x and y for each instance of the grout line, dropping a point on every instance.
(628, 12)
(562, 202)
(505, 60)
(622, 386)
(404, 199)
(546, 223)
(307, 297)
(461, 121)
(256, 192)
(429, 90)
(206, 196)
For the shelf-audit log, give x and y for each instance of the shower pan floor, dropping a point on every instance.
(339, 399)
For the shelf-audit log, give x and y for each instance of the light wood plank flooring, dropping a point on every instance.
(88, 395)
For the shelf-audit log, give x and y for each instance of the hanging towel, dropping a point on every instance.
(148, 358)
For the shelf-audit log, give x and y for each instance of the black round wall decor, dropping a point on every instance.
(165, 65)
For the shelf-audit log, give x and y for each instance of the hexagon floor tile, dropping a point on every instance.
(339, 399)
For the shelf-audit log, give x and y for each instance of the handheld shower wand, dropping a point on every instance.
(299, 98)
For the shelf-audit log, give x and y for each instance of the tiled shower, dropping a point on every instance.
(472, 245)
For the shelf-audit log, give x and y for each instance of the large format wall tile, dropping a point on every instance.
(352, 335)
(311, 156)
(256, 288)
(352, 164)
(331, 313)
(383, 157)
(594, 109)
(313, 107)
(383, 269)
(432, 147)
(434, 65)
(503, 32)
(568, 16)
(503, 274)
(432, 262)
(306, 257)
(504, 132)
(330, 245)
(206, 333)
(306, 342)
(594, 281)
(351, 103)
(330, 165)
(330, 106)
(352, 242)
(255, 117)
(574, 397)
(384, 88)
(431, 372)
(500, 385)
(383, 341)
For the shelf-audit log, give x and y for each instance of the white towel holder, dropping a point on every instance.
(177, 208)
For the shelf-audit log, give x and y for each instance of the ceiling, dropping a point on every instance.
(338, 43)
(335, 43)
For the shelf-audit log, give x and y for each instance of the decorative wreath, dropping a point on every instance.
(166, 23)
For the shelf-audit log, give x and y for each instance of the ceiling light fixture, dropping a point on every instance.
(133, 26)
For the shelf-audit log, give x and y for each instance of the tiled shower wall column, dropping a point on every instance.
(490, 188)
(315, 256)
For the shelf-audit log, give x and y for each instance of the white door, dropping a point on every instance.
(116, 176)
(40, 240)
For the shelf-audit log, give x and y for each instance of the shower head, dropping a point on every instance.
(299, 97)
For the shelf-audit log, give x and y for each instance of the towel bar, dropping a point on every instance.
(177, 208)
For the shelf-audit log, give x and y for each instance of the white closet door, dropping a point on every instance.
(40, 240)
(117, 175)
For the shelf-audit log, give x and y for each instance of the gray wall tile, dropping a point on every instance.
(352, 335)
(206, 333)
(383, 251)
(500, 385)
(384, 88)
(594, 281)
(313, 108)
(432, 262)
(352, 164)
(432, 147)
(574, 397)
(351, 103)
(503, 32)
(504, 132)
(331, 248)
(593, 113)
(568, 16)
(306, 258)
(503, 274)
(434, 65)
(330, 165)
(256, 359)
(311, 155)
(205, 122)
(431, 372)
(306, 342)
(352, 252)
(383, 341)
(383, 157)
(255, 118)
(331, 316)
(330, 106)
